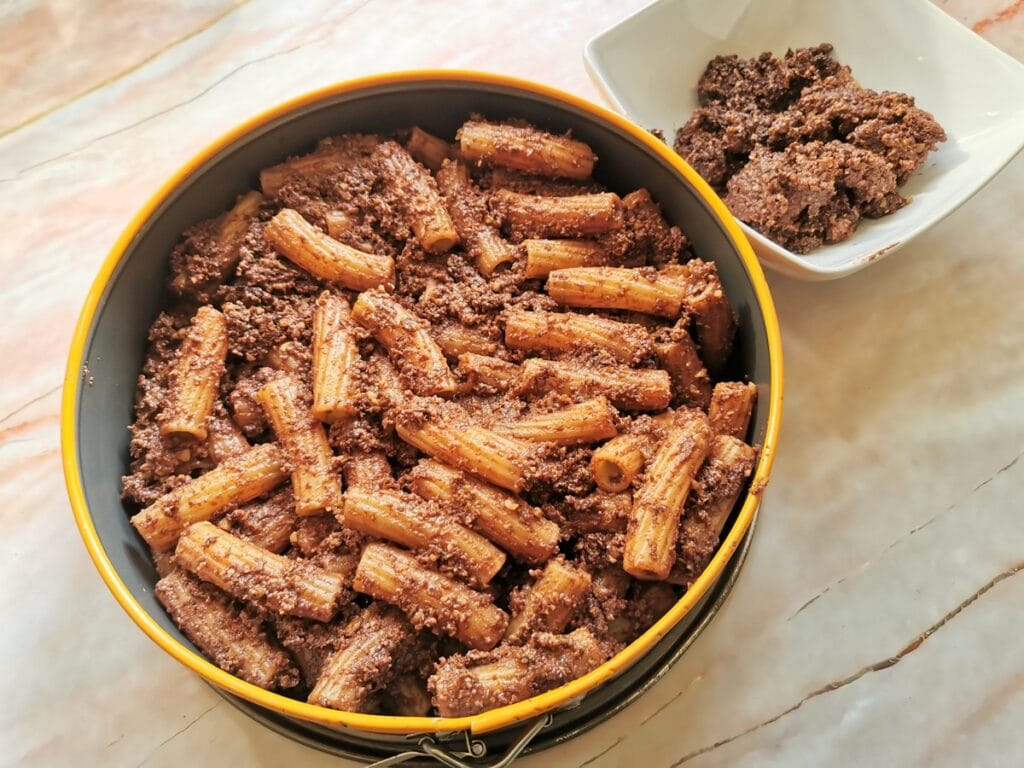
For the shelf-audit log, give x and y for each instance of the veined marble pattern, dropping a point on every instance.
(878, 618)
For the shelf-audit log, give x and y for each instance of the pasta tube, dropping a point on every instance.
(233, 639)
(545, 256)
(335, 354)
(632, 389)
(713, 317)
(731, 405)
(525, 149)
(444, 432)
(691, 385)
(370, 644)
(428, 149)
(597, 513)
(315, 483)
(254, 575)
(716, 490)
(550, 602)
(475, 682)
(412, 522)
(585, 422)
(567, 331)
(654, 523)
(507, 520)
(429, 599)
(412, 186)
(233, 482)
(491, 372)
(455, 340)
(368, 471)
(196, 376)
(570, 216)
(330, 156)
(408, 342)
(483, 242)
(324, 257)
(637, 290)
(616, 464)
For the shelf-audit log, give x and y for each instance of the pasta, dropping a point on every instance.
(549, 604)
(196, 375)
(233, 482)
(525, 149)
(567, 331)
(305, 445)
(638, 290)
(508, 521)
(408, 520)
(428, 598)
(320, 254)
(545, 256)
(484, 243)
(567, 216)
(586, 422)
(369, 643)
(408, 342)
(416, 190)
(497, 390)
(234, 639)
(464, 685)
(251, 573)
(441, 430)
(658, 503)
(632, 389)
(335, 354)
(731, 406)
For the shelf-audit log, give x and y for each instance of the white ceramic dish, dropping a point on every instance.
(648, 65)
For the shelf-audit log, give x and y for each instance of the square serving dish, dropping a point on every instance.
(647, 67)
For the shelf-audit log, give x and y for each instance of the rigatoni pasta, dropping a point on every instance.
(489, 379)
(731, 405)
(321, 255)
(233, 482)
(251, 573)
(446, 433)
(637, 290)
(632, 389)
(545, 256)
(526, 149)
(508, 521)
(569, 331)
(235, 640)
(314, 479)
(335, 358)
(586, 422)
(410, 521)
(566, 216)
(658, 503)
(407, 340)
(428, 598)
(484, 244)
(413, 189)
(196, 375)
(549, 602)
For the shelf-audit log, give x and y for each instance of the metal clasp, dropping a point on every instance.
(476, 750)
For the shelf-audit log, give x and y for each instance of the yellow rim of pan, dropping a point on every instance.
(495, 718)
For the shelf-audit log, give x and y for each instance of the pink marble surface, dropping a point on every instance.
(877, 618)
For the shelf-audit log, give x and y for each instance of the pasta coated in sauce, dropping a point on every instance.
(425, 423)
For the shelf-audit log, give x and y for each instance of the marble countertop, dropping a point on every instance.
(878, 618)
